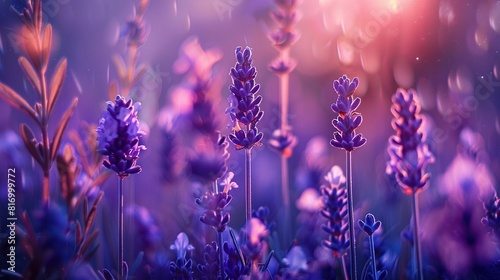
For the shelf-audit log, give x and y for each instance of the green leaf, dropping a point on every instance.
(30, 73)
(56, 140)
(56, 83)
(17, 101)
(46, 46)
(31, 143)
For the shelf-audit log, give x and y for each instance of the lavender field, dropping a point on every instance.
(237, 139)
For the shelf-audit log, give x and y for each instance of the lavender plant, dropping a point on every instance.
(136, 34)
(335, 204)
(409, 155)
(346, 138)
(282, 140)
(118, 136)
(244, 112)
(182, 267)
(37, 42)
(369, 226)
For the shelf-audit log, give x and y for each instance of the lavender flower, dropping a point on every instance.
(409, 153)
(211, 164)
(335, 211)
(253, 235)
(244, 109)
(492, 217)
(347, 120)
(118, 137)
(369, 225)
(210, 269)
(283, 142)
(182, 268)
(233, 267)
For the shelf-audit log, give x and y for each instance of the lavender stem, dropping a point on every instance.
(344, 268)
(372, 253)
(221, 256)
(120, 231)
(418, 257)
(248, 184)
(350, 207)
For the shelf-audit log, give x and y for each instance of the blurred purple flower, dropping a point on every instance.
(148, 230)
(182, 267)
(335, 211)
(409, 153)
(492, 217)
(262, 213)
(347, 120)
(210, 269)
(118, 136)
(244, 110)
(209, 163)
(254, 233)
(136, 32)
(283, 142)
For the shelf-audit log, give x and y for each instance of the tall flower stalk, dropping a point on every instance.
(37, 42)
(409, 156)
(118, 136)
(244, 111)
(282, 140)
(346, 138)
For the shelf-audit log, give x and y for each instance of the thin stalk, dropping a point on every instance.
(418, 257)
(219, 239)
(221, 256)
(248, 184)
(45, 138)
(344, 268)
(284, 95)
(120, 231)
(350, 206)
(372, 253)
(286, 200)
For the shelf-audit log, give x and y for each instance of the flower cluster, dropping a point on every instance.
(347, 120)
(283, 142)
(181, 268)
(335, 211)
(253, 236)
(215, 202)
(210, 268)
(244, 107)
(409, 153)
(118, 136)
(492, 217)
(211, 164)
(286, 17)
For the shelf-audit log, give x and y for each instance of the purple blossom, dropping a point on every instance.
(283, 142)
(492, 217)
(347, 120)
(335, 211)
(369, 225)
(409, 153)
(244, 110)
(210, 164)
(118, 136)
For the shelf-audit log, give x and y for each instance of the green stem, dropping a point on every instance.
(350, 202)
(418, 257)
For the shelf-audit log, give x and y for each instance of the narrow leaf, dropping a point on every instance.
(46, 45)
(137, 263)
(56, 140)
(268, 260)
(79, 237)
(93, 211)
(89, 255)
(120, 67)
(88, 241)
(30, 73)
(85, 210)
(56, 83)
(113, 90)
(37, 14)
(142, 70)
(237, 246)
(17, 101)
(30, 143)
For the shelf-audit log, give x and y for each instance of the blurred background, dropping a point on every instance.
(447, 50)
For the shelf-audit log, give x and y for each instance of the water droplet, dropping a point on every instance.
(446, 13)
(495, 17)
(403, 74)
(481, 39)
(370, 60)
(345, 52)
